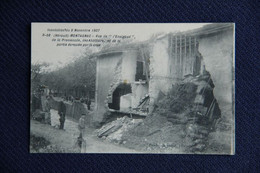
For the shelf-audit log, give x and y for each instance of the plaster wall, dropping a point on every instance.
(139, 91)
(217, 52)
(129, 66)
(159, 70)
(125, 102)
(105, 75)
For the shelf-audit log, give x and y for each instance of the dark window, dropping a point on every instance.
(140, 73)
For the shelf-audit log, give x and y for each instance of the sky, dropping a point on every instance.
(45, 50)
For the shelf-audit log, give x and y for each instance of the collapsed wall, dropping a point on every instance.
(117, 80)
(172, 56)
(183, 108)
(192, 106)
(106, 65)
(182, 101)
(182, 120)
(121, 82)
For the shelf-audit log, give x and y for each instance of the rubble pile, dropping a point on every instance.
(191, 105)
(114, 130)
(182, 120)
(155, 134)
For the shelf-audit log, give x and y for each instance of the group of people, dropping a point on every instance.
(62, 118)
(81, 126)
(47, 113)
(87, 101)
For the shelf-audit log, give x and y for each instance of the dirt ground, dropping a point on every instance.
(50, 139)
(144, 138)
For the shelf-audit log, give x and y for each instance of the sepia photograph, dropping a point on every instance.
(150, 88)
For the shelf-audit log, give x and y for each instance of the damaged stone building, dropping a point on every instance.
(131, 78)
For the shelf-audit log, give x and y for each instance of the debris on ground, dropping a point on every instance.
(114, 130)
(182, 120)
(38, 115)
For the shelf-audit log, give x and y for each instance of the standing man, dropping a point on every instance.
(47, 109)
(88, 103)
(62, 113)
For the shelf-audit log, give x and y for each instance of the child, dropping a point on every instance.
(82, 125)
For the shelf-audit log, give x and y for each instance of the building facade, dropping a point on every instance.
(131, 78)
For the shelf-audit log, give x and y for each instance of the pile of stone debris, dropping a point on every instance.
(114, 130)
(192, 105)
(182, 120)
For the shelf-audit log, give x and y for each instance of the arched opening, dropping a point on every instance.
(121, 90)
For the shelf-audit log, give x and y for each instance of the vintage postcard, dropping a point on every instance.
(132, 88)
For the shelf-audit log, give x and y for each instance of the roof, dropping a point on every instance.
(120, 48)
(210, 29)
(200, 32)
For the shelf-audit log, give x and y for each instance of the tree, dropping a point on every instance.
(77, 78)
(37, 70)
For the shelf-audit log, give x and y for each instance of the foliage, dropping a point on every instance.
(76, 78)
(37, 70)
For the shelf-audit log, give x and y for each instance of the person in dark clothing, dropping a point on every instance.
(35, 103)
(88, 103)
(47, 108)
(62, 113)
